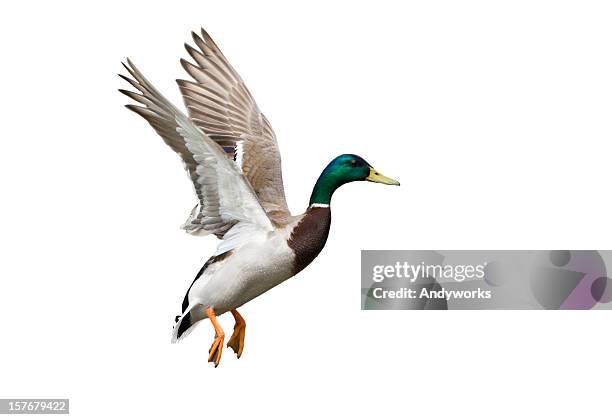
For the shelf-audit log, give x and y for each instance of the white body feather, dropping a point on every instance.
(253, 268)
(249, 271)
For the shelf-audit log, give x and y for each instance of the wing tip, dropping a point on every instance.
(191, 51)
(131, 68)
(187, 65)
(195, 36)
(206, 36)
(126, 62)
(133, 107)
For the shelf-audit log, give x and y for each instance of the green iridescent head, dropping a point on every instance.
(343, 169)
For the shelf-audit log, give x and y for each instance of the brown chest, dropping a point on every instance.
(309, 236)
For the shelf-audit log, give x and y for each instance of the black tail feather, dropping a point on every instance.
(184, 325)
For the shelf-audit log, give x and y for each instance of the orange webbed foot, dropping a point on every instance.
(236, 341)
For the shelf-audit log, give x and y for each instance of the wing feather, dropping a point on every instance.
(228, 206)
(220, 104)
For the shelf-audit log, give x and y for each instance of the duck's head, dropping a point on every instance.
(343, 169)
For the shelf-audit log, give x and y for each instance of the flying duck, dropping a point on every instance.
(231, 155)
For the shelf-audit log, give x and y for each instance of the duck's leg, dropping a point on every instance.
(214, 354)
(236, 341)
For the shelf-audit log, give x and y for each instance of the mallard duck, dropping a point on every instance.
(231, 155)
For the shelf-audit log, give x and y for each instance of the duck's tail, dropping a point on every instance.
(185, 323)
(193, 312)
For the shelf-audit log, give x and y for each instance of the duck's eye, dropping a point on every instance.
(353, 163)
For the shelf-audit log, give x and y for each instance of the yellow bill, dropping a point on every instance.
(380, 178)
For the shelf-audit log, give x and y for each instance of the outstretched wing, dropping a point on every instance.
(220, 104)
(227, 204)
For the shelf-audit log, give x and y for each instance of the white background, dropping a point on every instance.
(495, 116)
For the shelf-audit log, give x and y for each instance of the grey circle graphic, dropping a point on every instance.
(569, 279)
(560, 258)
(601, 289)
(494, 274)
